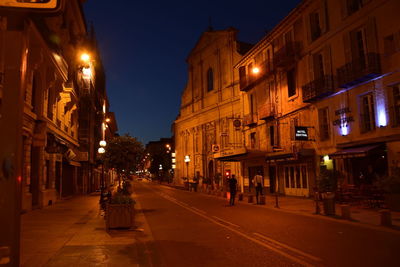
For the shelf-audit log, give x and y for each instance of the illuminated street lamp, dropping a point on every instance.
(85, 57)
(255, 70)
(187, 160)
(103, 143)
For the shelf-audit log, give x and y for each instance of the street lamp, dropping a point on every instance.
(187, 160)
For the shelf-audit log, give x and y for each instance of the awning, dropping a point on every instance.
(239, 154)
(354, 152)
(284, 156)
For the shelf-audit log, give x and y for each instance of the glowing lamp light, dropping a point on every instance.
(344, 130)
(382, 117)
(108, 120)
(85, 57)
(101, 150)
(87, 73)
(187, 158)
(173, 166)
(255, 70)
(173, 160)
(173, 154)
(103, 143)
(326, 158)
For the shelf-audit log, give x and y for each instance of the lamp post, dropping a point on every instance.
(187, 160)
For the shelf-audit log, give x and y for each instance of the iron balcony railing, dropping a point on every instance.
(252, 79)
(318, 89)
(287, 55)
(266, 111)
(359, 70)
(250, 119)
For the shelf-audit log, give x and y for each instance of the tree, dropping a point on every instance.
(123, 153)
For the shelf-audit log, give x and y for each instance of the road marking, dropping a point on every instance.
(199, 210)
(298, 259)
(279, 244)
(235, 225)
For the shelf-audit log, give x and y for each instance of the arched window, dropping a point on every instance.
(210, 80)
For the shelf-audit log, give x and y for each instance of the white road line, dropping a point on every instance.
(222, 220)
(279, 244)
(282, 253)
(199, 210)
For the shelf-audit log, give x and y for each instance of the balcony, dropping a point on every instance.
(250, 119)
(318, 89)
(287, 55)
(359, 70)
(266, 111)
(250, 80)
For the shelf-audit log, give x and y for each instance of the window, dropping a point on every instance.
(396, 105)
(274, 136)
(389, 43)
(249, 70)
(358, 47)
(49, 104)
(367, 113)
(293, 123)
(253, 140)
(210, 80)
(242, 77)
(296, 177)
(291, 82)
(315, 27)
(353, 6)
(318, 66)
(323, 119)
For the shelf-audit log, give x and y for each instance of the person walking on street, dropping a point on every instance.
(232, 190)
(258, 183)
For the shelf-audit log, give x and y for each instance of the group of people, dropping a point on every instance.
(257, 181)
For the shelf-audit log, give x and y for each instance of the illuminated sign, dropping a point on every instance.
(300, 133)
(41, 4)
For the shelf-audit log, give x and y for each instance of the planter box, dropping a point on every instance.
(119, 216)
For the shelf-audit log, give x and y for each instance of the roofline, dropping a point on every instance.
(269, 36)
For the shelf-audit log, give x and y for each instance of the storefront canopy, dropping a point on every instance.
(239, 154)
(354, 152)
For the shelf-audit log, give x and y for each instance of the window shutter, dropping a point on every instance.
(371, 37)
(343, 8)
(310, 68)
(308, 28)
(324, 19)
(327, 60)
(242, 77)
(347, 47)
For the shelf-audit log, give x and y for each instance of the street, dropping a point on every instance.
(193, 229)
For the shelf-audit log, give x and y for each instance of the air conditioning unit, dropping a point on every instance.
(215, 148)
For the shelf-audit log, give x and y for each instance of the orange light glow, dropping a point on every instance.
(85, 57)
(256, 70)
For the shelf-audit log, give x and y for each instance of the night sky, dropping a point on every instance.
(144, 45)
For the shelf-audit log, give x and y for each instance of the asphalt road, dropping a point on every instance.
(193, 229)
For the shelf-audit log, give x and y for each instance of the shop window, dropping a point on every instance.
(315, 27)
(323, 119)
(367, 113)
(210, 80)
(296, 177)
(298, 181)
(291, 82)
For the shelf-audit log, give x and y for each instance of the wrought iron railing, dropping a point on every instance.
(318, 88)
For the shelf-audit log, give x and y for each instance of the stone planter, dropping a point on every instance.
(393, 201)
(119, 216)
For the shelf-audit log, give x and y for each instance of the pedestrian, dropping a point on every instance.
(258, 183)
(232, 189)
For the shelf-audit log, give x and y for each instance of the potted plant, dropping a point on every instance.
(120, 211)
(390, 185)
(327, 186)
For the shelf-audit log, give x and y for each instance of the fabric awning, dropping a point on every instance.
(354, 152)
(283, 156)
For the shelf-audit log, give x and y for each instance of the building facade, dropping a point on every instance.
(55, 83)
(319, 91)
(210, 104)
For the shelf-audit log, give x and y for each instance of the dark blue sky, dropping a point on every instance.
(144, 45)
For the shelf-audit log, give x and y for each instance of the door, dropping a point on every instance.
(296, 180)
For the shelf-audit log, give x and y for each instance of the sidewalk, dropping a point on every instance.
(306, 206)
(72, 233)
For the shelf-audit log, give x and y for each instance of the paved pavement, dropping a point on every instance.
(72, 232)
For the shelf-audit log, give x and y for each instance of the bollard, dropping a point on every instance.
(250, 199)
(346, 214)
(262, 200)
(386, 218)
(240, 197)
(276, 201)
